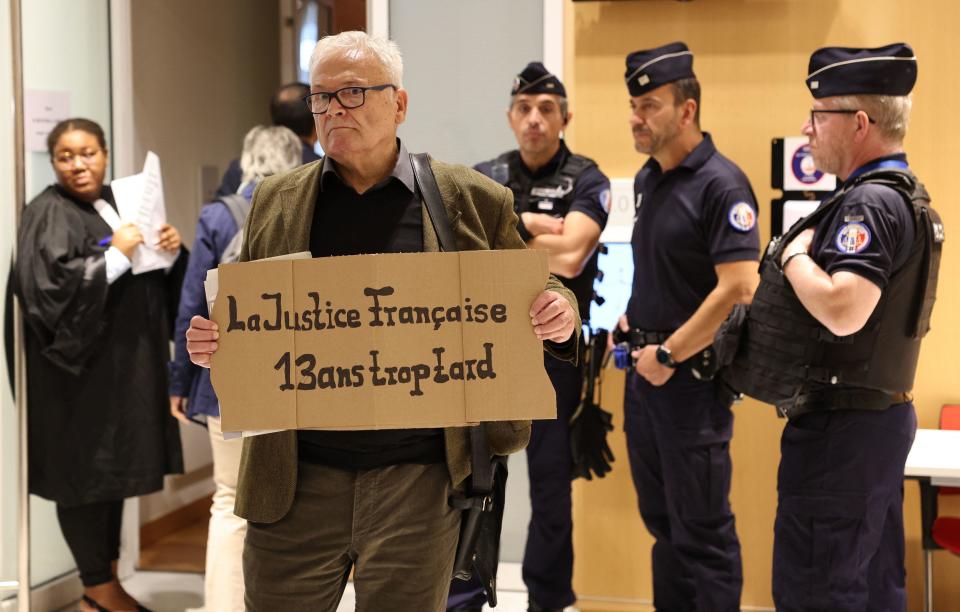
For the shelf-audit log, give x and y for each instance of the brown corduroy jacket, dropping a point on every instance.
(482, 217)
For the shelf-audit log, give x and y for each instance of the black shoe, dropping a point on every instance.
(93, 603)
(533, 606)
(467, 608)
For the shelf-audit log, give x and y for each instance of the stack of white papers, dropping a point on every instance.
(140, 201)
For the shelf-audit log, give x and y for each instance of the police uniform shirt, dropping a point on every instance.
(590, 196)
(870, 232)
(688, 220)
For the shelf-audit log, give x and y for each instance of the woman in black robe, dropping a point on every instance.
(97, 347)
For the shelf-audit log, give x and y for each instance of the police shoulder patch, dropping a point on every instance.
(742, 217)
(853, 238)
(605, 200)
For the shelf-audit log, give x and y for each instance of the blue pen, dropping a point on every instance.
(106, 241)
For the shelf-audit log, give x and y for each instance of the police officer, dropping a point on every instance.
(695, 250)
(562, 200)
(833, 336)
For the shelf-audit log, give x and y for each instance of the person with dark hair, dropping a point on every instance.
(97, 343)
(288, 110)
(695, 249)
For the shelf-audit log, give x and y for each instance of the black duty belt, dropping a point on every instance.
(639, 338)
(870, 401)
(901, 398)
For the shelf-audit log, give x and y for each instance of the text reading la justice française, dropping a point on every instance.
(324, 315)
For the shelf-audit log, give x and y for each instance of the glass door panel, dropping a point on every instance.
(66, 73)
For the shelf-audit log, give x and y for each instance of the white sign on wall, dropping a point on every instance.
(794, 210)
(619, 226)
(42, 110)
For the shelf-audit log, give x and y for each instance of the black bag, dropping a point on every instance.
(478, 551)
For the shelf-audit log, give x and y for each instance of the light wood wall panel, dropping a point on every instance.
(751, 57)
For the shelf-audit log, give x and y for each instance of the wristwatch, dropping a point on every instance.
(665, 357)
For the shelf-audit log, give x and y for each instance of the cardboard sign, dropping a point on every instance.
(380, 341)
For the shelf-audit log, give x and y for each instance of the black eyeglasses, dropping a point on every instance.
(836, 111)
(348, 97)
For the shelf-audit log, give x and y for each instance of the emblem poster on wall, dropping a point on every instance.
(799, 171)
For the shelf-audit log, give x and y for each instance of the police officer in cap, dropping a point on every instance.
(562, 200)
(833, 336)
(695, 250)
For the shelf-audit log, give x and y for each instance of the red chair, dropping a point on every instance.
(946, 529)
(939, 532)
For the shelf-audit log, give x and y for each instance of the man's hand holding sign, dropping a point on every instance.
(552, 317)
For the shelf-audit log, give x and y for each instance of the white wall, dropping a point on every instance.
(203, 74)
(66, 49)
(460, 59)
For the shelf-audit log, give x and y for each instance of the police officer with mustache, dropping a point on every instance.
(695, 250)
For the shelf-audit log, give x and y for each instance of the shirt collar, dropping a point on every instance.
(877, 163)
(248, 190)
(551, 166)
(700, 154)
(106, 193)
(402, 171)
(694, 159)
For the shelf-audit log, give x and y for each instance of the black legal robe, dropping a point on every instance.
(99, 423)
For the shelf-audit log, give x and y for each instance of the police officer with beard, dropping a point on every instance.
(695, 250)
(562, 200)
(833, 336)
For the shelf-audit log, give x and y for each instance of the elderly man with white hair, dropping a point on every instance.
(323, 503)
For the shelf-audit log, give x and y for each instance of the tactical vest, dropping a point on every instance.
(552, 195)
(780, 354)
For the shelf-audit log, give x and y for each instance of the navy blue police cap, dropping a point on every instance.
(848, 71)
(652, 68)
(536, 79)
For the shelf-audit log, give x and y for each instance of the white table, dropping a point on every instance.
(935, 455)
(934, 460)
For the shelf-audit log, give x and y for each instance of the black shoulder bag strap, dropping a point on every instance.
(430, 192)
(482, 480)
(473, 556)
